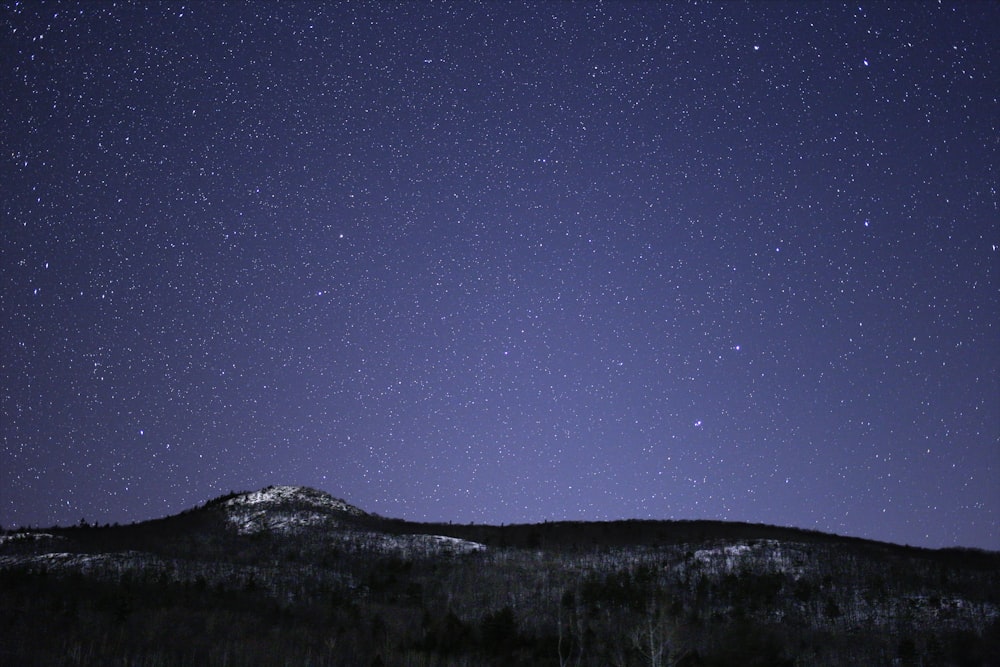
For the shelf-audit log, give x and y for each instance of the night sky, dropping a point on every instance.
(505, 263)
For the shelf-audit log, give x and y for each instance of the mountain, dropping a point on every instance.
(292, 575)
(291, 509)
(278, 508)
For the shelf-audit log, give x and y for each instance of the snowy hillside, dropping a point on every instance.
(294, 509)
(277, 496)
(284, 508)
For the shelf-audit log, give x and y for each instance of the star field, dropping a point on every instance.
(501, 262)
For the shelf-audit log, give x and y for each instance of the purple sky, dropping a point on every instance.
(505, 263)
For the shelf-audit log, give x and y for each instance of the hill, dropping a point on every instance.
(292, 575)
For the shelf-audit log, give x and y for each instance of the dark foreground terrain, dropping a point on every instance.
(292, 576)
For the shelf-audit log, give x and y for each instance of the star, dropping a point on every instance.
(518, 262)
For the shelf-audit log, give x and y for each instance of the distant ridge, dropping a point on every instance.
(292, 507)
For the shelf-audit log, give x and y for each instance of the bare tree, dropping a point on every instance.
(655, 637)
(571, 633)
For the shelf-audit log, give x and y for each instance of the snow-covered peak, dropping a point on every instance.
(283, 508)
(292, 496)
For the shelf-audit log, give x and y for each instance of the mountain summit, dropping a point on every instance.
(282, 508)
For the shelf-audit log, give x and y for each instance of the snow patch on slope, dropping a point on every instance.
(28, 537)
(83, 562)
(729, 556)
(759, 555)
(410, 545)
